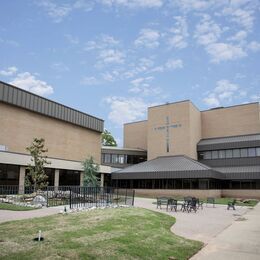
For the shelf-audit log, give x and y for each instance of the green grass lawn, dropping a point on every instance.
(7, 206)
(249, 203)
(125, 233)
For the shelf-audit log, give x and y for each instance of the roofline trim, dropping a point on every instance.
(31, 93)
(214, 109)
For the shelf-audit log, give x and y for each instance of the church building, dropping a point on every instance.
(214, 152)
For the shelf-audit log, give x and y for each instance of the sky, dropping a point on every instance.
(114, 58)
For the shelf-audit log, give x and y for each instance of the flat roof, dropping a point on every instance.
(122, 149)
(21, 98)
(220, 108)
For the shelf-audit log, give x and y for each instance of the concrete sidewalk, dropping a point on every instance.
(203, 225)
(241, 240)
(8, 215)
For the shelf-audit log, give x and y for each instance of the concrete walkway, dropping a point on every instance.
(8, 215)
(241, 240)
(203, 225)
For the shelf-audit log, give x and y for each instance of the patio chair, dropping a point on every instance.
(199, 204)
(192, 205)
(162, 201)
(231, 204)
(211, 201)
(172, 204)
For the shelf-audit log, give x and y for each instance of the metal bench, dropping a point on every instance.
(210, 200)
(231, 204)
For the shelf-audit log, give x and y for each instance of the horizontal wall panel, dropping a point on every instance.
(26, 100)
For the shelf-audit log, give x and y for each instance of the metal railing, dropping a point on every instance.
(74, 196)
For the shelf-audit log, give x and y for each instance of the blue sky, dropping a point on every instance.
(114, 58)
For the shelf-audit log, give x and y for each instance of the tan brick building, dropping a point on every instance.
(224, 141)
(70, 136)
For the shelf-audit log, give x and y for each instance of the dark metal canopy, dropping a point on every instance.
(229, 142)
(168, 167)
(240, 172)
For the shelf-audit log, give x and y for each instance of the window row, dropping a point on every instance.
(108, 158)
(229, 153)
(197, 184)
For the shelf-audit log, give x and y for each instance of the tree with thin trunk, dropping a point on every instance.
(90, 171)
(36, 176)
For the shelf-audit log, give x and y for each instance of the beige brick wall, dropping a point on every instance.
(195, 130)
(183, 139)
(18, 127)
(244, 194)
(237, 120)
(135, 135)
(177, 193)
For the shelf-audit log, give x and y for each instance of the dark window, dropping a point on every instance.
(69, 178)
(9, 174)
(178, 184)
(115, 158)
(251, 152)
(228, 153)
(207, 155)
(51, 175)
(257, 151)
(243, 152)
(186, 184)
(214, 154)
(246, 185)
(235, 184)
(236, 153)
(200, 155)
(107, 158)
(221, 154)
(203, 184)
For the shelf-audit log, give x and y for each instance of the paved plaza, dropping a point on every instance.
(227, 234)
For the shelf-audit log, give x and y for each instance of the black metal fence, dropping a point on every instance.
(74, 196)
(100, 197)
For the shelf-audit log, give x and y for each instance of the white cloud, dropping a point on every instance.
(240, 16)
(143, 86)
(193, 5)
(111, 56)
(207, 31)
(224, 92)
(123, 110)
(174, 64)
(29, 82)
(58, 12)
(102, 42)
(239, 36)
(256, 97)
(89, 81)
(133, 3)
(178, 33)
(254, 46)
(10, 71)
(223, 52)
(148, 38)
(211, 101)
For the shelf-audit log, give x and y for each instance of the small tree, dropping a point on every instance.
(90, 170)
(36, 176)
(108, 139)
